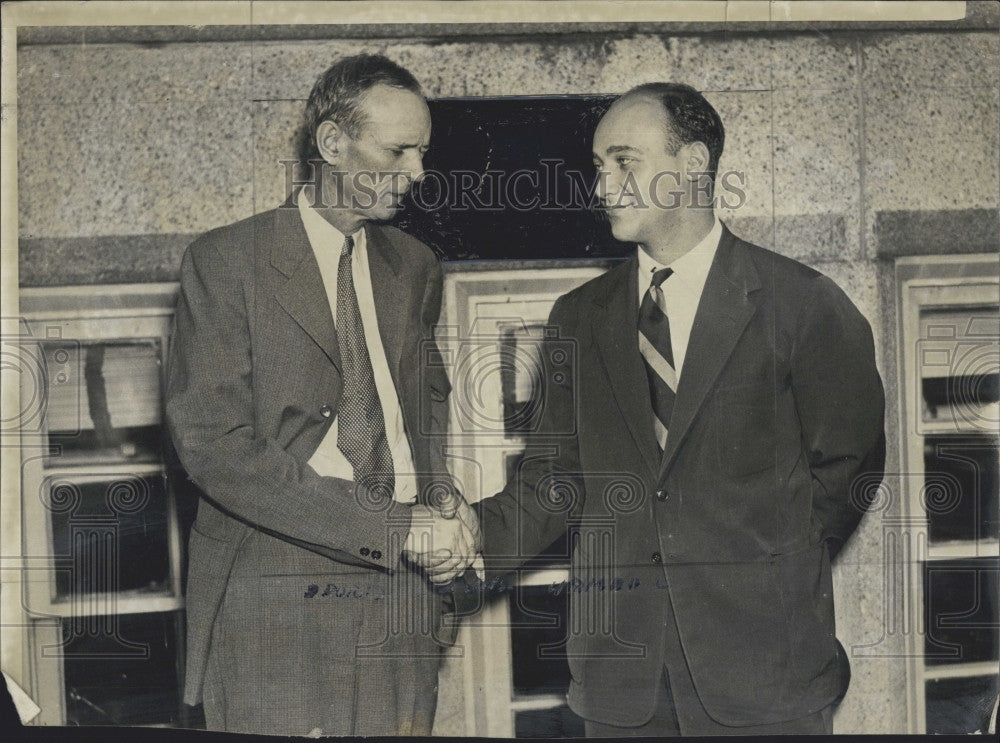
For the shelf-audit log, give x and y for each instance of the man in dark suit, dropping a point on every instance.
(301, 402)
(713, 407)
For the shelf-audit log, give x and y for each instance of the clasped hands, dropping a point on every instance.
(443, 540)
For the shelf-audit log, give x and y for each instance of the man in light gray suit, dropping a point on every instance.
(303, 402)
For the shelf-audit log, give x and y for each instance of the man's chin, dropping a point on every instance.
(385, 213)
(621, 232)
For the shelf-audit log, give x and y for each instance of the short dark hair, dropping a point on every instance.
(339, 92)
(690, 118)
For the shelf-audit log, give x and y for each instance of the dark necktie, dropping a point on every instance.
(360, 425)
(654, 345)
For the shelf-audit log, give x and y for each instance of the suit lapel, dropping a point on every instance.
(618, 349)
(393, 312)
(725, 308)
(302, 295)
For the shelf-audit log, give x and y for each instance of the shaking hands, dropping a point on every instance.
(444, 539)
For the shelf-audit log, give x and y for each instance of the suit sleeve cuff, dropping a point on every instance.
(380, 540)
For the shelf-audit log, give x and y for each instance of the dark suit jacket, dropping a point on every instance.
(254, 385)
(778, 416)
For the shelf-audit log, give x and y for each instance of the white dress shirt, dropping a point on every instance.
(682, 290)
(327, 243)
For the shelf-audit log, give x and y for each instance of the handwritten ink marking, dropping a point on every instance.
(356, 592)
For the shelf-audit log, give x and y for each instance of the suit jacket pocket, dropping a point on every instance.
(744, 420)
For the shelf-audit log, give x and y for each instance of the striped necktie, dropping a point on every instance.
(654, 345)
(360, 424)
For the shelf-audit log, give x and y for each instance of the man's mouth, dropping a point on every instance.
(625, 202)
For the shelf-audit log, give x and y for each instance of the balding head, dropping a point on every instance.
(688, 117)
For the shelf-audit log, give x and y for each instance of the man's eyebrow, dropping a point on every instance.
(397, 144)
(402, 143)
(617, 148)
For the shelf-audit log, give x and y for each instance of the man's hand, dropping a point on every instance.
(442, 545)
(449, 503)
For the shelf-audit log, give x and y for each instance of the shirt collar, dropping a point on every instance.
(692, 267)
(321, 232)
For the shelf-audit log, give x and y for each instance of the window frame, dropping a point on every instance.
(927, 283)
(82, 313)
(478, 307)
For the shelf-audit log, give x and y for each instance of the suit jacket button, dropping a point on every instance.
(365, 551)
(376, 555)
(662, 495)
(657, 557)
(326, 411)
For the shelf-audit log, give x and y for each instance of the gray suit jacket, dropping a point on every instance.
(254, 383)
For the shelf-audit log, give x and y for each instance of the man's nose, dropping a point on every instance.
(414, 168)
(607, 186)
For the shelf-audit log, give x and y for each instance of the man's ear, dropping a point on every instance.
(696, 159)
(330, 141)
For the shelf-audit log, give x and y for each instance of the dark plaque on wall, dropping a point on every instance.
(511, 178)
